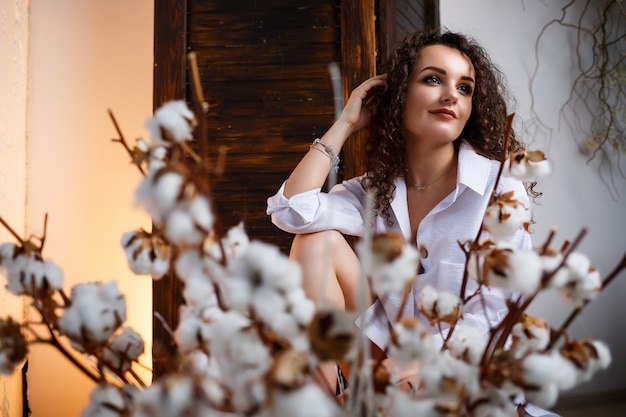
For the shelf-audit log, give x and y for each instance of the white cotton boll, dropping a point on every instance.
(582, 282)
(188, 334)
(96, 311)
(410, 342)
(124, 347)
(525, 271)
(549, 265)
(7, 253)
(589, 357)
(249, 351)
(546, 396)
(439, 306)
(604, 354)
(237, 294)
(308, 401)
(236, 241)
(245, 361)
(157, 159)
(180, 228)
(168, 397)
(566, 376)
(301, 307)
(539, 370)
(189, 265)
(194, 326)
(284, 325)
(216, 394)
(104, 400)
(6, 365)
(172, 122)
(539, 169)
(145, 254)
(493, 403)
(247, 398)
(526, 165)
(449, 377)
(505, 218)
(476, 261)
(520, 271)
(391, 262)
(264, 264)
(159, 193)
(403, 405)
(53, 275)
(467, 344)
(529, 335)
(394, 275)
(201, 213)
(26, 275)
(266, 303)
(190, 222)
(228, 324)
(166, 192)
(199, 291)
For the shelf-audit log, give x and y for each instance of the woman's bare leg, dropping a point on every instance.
(330, 271)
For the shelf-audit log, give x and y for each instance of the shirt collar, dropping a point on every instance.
(474, 171)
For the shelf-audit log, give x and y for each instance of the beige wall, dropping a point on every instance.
(64, 63)
(13, 111)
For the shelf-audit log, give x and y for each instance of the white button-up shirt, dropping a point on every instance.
(457, 218)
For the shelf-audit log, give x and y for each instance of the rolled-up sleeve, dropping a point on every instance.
(314, 210)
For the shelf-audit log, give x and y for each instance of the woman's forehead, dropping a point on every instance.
(444, 57)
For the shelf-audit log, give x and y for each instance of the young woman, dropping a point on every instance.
(436, 121)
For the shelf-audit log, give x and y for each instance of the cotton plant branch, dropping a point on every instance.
(123, 142)
(42, 299)
(562, 330)
(502, 332)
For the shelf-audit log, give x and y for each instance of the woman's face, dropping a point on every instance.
(439, 95)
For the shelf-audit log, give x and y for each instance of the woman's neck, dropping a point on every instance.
(427, 164)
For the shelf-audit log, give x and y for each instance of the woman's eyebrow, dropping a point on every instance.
(442, 71)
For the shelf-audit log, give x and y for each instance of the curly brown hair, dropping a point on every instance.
(485, 129)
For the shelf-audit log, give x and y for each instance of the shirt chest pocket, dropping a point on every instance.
(450, 277)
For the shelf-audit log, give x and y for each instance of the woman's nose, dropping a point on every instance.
(450, 94)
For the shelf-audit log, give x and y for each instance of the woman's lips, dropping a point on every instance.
(445, 114)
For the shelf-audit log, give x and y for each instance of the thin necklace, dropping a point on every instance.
(422, 187)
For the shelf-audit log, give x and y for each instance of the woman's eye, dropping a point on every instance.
(431, 79)
(465, 89)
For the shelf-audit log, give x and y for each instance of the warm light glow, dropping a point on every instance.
(88, 58)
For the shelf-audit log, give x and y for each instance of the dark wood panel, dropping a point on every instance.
(358, 46)
(313, 7)
(218, 72)
(169, 84)
(264, 70)
(263, 25)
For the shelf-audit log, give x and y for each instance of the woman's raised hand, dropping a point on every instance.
(312, 170)
(354, 114)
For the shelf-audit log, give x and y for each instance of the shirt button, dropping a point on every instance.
(420, 270)
(423, 252)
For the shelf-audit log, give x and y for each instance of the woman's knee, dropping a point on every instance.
(314, 245)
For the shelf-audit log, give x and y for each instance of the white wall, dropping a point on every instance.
(574, 195)
(86, 56)
(13, 81)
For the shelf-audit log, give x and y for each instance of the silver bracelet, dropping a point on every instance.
(328, 151)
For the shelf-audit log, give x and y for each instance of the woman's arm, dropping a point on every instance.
(313, 168)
